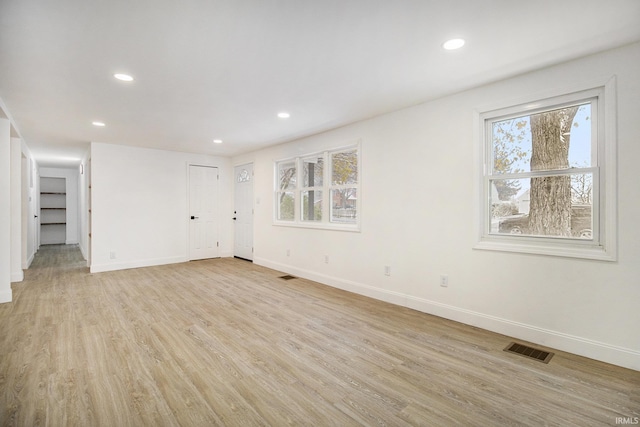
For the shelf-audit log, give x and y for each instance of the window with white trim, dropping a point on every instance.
(285, 195)
(319, 190)
(548, 176)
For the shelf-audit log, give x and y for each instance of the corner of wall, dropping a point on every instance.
(6, 296)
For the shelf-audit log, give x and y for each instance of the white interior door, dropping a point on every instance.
(243, 214)
(203, 212)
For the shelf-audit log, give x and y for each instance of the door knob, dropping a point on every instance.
(194, 217)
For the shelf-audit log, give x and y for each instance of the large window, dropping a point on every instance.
(319, 190)
(548, 176)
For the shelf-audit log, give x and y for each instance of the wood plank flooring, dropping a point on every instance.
(227, 343)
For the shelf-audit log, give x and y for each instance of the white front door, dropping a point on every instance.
(203, 212)
(243, 214)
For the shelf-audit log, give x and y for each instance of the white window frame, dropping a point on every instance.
(326, 188)
(304, 187)
(279, 191)
(603, 246)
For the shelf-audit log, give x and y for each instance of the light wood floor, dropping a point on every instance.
(226, 342)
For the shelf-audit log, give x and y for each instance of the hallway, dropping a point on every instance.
(53, 262)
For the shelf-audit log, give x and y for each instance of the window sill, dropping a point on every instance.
(354, 228)
(543, 246)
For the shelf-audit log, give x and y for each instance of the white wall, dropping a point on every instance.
(84, 206)
(418, 193)
(5, 210)
(16, 210)
(71, 176)
(139, 206)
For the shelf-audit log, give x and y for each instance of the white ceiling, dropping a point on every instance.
(208, 69)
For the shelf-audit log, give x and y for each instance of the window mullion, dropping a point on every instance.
(297, 211)
(325, 187)
(596, 134)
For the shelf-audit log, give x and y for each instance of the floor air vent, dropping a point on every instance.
(529, 352)
(287, 277)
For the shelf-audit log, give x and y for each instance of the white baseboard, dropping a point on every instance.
(604, 352)
(99, 268)
(17, 276)
(6, 296)
(30, 260)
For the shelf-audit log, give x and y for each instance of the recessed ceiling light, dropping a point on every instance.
(123, 77)
(217, 141)
(99, 124)
(453, 44)
(284, 115)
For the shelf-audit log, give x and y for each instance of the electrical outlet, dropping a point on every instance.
(326, 259)
(387, 270)
(288, 252)
(112, 255)
(444, 280)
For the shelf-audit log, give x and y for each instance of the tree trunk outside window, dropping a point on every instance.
(550, 208)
